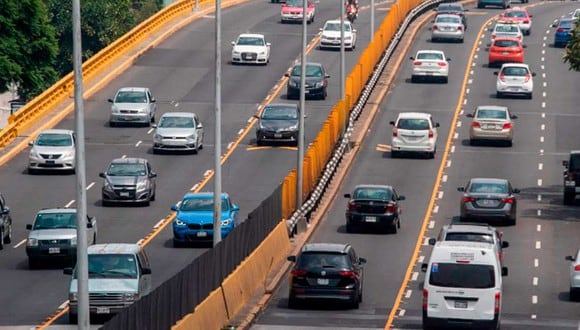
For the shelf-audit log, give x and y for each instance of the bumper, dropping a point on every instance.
(56, 252)
(562, 39)
(100, 309)
(575, 282)
(294, 18)
(485, 134)
(123, 118)
(405, 147)
(426, 74)
(340, 294)
(515, 90)
(509, 58)
(260, 59)
(444, 323)
(182, 234)
(174, 145)
(276, 136)
(131, 197)
(503, 213)
(455, 35)
(294, 92)
(65, 164)
(331, 43)
(370, 219)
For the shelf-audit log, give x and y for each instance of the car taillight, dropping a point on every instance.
(493, 36)
(425, 298)
(560, 30)
(351, 205)
(526, 21)
(417, 63)
(390, 208)
(299, 272)
(527, 78)
(502, 77)
(577, 268)
(571, 176)
(509, 200)
(441, 63)
(507, 125)
(467, 199)
(497, 302)
(431, 134)
(435, 27)
(475, 124)
(395, 134)
(347, 274)
(519, 37)
(459, 28)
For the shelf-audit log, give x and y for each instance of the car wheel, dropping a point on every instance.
(1, 239)
(355, 302)
(72, 318)
(433, 39)
(177, 244)
(462, 40)
(472, 142)
(155, 151)
(414, 79)
(147, 202)
(431, 155)
(153, 196)
(513, 221)
(112, 124)
(393, 228)
(569, 198)
(259, 142)
(529, 96)
(32, 263)
(8, 238)
(394, 154)
(445, 80)
(31, 171)
(574, 294)
(509, 143)
(105, 203)
(350, 228)
(292, 303)
(499, 95)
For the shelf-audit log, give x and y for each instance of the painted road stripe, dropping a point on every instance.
(20, 243)
(158, 224)
(70, 203)
(536, 262)
(138, 143)
(415, 276)
(90, 186)
(538, 245)
(535, 281)
(539, 227)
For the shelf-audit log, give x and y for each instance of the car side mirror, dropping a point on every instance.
(89, 225)
(437, 125)
(233, 43)
(505, 244)
(6, 210)
(67, 271)
(320, 29)
(347, 195)
(495, 73)
(533, 74)
(570, 258)
(326, 75)
(424, 267)
(102, 175)
(362, 261)
(513, 117)
(504, 271)
(154, 125)
(110, 100)
(31, 143)
(199, 125)
(268, 44)
(291, 258)
(462, 189)
(565, 163)
(412, 58)
(152, 175)
(287, 74)
(153, 100)
(516, 191)
(401, 197)
(470, 115)
(392, 123)
(555, 24)
(29, 227)
(524, 46)
(174, 208)
(448, 59)
(146, 271)
(353, 30)
(432, 241)
(235, 208)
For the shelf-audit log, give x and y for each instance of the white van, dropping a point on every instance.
(119, 274)
(463, 286)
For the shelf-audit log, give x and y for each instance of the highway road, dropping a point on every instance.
(536, 290)
(180, 74)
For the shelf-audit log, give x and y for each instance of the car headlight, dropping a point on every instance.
(157, 137)
(143, 110)
(192, 137)
(348, 38)
(73, 296)
(131, 296)
(34, 153)
(73, 241)
(108, 186)
(32, 242)
(142, 185)
(115, 108)
(262, 53)
(179, 222)
(293, 127)
(319, 84)
(235, 53)
(68, 154)
(226, 222)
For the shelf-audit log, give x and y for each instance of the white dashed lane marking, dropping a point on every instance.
(69, 203)
(19, 243)
(90, 185)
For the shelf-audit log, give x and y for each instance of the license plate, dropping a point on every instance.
(103, 310)
(487, 202)
(50, 162)
(336, 41)
(322, 281)
(248, 57)
(277, 135)
(124, 194)
(371, 219)
(53, 250)
(460, 304)
(505, 53)
(515, 89)
(201, 234)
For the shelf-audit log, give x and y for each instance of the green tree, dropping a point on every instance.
(28, 47)
(572, 54)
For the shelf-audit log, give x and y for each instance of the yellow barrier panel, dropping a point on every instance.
(210, 314)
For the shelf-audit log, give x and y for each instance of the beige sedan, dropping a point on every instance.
(491, 122)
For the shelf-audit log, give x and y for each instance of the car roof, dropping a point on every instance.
(113, 248)
(251, 35)
(492, 107)
(285, 105)
(520, 65)
(203, 195)
(57, 210)
(178, 114)
(472, 228)
(488, 180)
(133, 89)
(515, 9)
(56, 131)
(449, 5)
(336, 21)
(507, 38)
(430, 51)
(326, 247)
(129, 160)
(448, 15)
(373, 186)
(309, 63)
(422, 115)
(464, 244)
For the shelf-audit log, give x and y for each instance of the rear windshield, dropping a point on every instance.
(323, 260)
(505, 43)
(372, 193)
(515, 71)
(491, 114)
(574, 163)
(448, 8)
(567, 24)
(462, 276)
(490, 188)
(448, 19)
(430, 56)
(506, 28)
(519, 14)
(413, 124)
(469, 237)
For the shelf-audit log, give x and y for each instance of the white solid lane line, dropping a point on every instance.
(90, 186)
(70, 203)
(20, 243)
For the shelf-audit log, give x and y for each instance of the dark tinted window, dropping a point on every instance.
(448, 19)
(112, 266)
(413, 124)
(373, 193)
(491, 114)
(280, 113)
(310, 260)
(505, 43)
(201, 204)
(491, 188)
(462, 276)
(518, 14)
(469, 237)
(311, 70)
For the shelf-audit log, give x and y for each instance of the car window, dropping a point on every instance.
(568, 24)
(131, 97)
(126, 169)
(373, 193)
(251, 41)
(486, 187)
(413, 124)
(449, 8)
(54, 140)
(506, 28)
(430, 56)
(2, 205)
(514, 71)
(311, 71)
(295, 3)
(176, 122)
(55, 220)
(447, 19)
(323, 260)
(462, 275)
(336, 27)
(280, 113)
(112, 266)
(201, 204)
(505, 43)
(469, 237)
(518, 14)
(491, 114)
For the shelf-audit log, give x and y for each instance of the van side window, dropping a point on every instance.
(143, 261)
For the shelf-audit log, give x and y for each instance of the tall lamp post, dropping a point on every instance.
(299, 165)
(372, 20)
(342, 78)
(217, 183)
(82, 269)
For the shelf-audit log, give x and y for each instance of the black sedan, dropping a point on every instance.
(315, 85)
(278, 123)
(489, 198)
(373, 205)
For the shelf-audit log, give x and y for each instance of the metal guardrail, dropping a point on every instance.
(334, 161)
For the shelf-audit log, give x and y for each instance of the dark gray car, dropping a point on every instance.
(489, 198)
(128, 180)
(315, 84)
(278, 122)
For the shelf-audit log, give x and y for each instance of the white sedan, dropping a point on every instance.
(514, 79)
(574, 276)
(330, 35)
(430, 64)
(251, 49)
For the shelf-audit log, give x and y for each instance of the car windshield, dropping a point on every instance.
(176, 122)
(489, 188)
(336, 27)
(201, 204)
(311, 71)
(55, 221)
(314, 260)
(517, 14)
(54, 140)
(413, 124)
(294, 3)
(506, 28)
(372, 193)
(469, 237)
(448, 19)
(131, 97)
(430, 56)
(514, 71)
(112, 266)
(462, 276)
(491, 114)
(127, 169)
(505, 43)
(250, 41)
(280, 113)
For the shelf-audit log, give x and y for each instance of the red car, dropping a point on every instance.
(506, 50)
(520, 16)
(292, 11)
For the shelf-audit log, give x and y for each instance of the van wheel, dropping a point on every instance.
(32, 263)
(356, 302)
(72, 318)
(568, 198)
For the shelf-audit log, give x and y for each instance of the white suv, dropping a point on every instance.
(430, 64)
(414, 132)
(515, 79)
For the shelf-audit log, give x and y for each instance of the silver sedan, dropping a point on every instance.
(574, 276)
(447, 27)
(488, 198)
(491, 122)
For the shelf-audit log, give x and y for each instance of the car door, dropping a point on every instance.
(144, 279)
(152, 105)
(433, 128)
(199, 130)
(151, 179)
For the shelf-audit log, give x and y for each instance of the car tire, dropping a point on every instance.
(259, 142)
(350, 228)
(177, 244)
(1, 239)
(433, 40)
(574, 294)
(529, 96)
(32, 263)
(462, 40)
(513, 221)
(112, 124)
(414, 79)
(292, 303)
(155, 151)
(105, 203)
(509, 143)
(445, 80)
(72, 318)
(147, 202)
(392, 228)
(431, 155)
(153, 196)
(31, 171)
(395, 154)
(569, 198)
(499, 95)
(355, 302)
(8, 238)
(472, 142)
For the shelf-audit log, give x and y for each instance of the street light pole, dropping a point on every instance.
(372, 20)
(82, 269)
(217, 183)
(342, 78)
(299, 165)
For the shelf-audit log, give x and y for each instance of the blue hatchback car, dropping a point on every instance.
(194, 219)
(563, 33)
